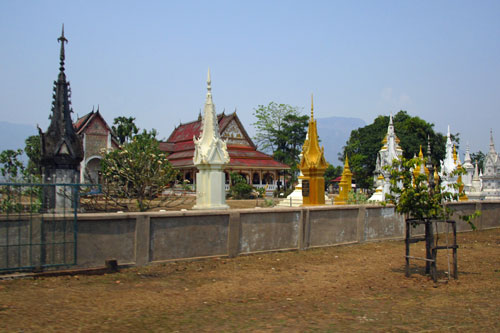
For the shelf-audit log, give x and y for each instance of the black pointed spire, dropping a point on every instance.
(62, 55)
(61, 146)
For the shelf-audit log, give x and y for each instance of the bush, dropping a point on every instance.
(239, 187)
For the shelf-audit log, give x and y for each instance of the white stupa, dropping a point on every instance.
(389, 151)
(210, 157)
(469, 169)
(491, 173)
(448, 165)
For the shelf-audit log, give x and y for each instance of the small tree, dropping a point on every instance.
(125, 129)
(32, 149)
(11, 168)
(138, 170)
(415, 198)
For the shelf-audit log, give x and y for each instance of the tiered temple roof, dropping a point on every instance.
(242, 151)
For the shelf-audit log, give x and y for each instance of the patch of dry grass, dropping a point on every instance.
(344, 288)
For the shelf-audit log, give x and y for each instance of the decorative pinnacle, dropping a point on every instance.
(63, 40)
(492, 143)
(312, 107)
(209, 82)
(429, 160)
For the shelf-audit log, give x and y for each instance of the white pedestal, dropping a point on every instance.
(210, 192)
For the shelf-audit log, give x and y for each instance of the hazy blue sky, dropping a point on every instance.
(148, 59)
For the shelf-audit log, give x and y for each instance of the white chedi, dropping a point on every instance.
(448, 165)
(469, 170)
(210, 157)
(386, 155)
(490, 177)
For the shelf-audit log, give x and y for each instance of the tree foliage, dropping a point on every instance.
(478, 158)
(239, 189)
(125, 128)
(33, 150)
(416, 197)
(290, 139)
(281, 130)
(331, 173)
(269, 122)
(11, 168)
(364, 143)
(139, 170)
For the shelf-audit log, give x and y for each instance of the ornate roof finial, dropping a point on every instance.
(63, 40)
(209, 82)
(492, 143)
(429, 153)
(312, 107)
(455, 154)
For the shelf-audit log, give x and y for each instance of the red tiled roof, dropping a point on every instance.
(180, 147)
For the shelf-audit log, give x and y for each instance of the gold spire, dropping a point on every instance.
(420, 154)
(345, 184)
(312, 107)
(313, 165)
(455, 154)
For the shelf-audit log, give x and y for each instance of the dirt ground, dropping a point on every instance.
(342, 288)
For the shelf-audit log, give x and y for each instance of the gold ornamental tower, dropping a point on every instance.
(313, 166)
(346, 184)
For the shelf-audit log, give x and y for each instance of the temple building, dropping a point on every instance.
(96, 135)
(259, 169)
(389, 151)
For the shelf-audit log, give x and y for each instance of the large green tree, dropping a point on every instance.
(365, 142)
(139, 171)
(280, 130)
(290, 139)
(125, 128)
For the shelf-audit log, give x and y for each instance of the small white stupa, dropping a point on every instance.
(474, 192)
(210, 157)
(448, 166)
(469, 169)
(389, 151)
(490, 177)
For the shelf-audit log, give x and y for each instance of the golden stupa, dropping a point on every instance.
(313, 166)
(345, 184)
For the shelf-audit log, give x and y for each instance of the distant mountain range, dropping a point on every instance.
(334, 132)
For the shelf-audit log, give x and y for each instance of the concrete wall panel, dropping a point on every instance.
(490, 217)
(188, 236)
(335, 226)
(381, 223)
(99, 240)
(269, 230)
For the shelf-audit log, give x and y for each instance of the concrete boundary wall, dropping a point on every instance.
(143, 238)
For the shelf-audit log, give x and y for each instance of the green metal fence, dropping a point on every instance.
(38, 225)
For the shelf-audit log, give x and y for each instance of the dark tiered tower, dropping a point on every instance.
(61, 147)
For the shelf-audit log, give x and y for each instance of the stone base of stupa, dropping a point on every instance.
(210, 192)
(378, 195)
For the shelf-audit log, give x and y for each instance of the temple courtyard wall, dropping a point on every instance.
(143, 238)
